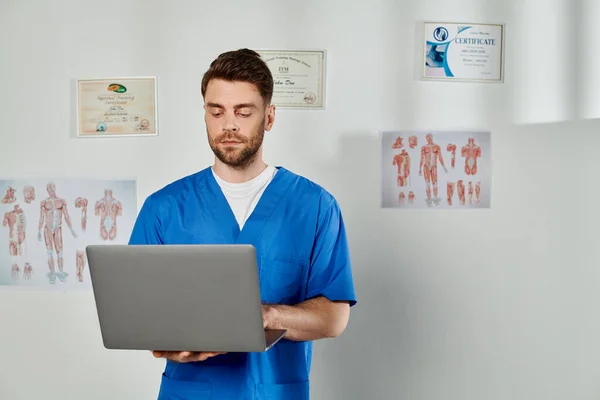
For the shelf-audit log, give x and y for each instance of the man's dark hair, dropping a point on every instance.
(243, 65)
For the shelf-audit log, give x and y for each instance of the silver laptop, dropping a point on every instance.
(179, 298)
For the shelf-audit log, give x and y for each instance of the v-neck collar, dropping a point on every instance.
(224, 217)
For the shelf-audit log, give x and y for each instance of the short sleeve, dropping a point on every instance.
(330, 268)
(147, 228)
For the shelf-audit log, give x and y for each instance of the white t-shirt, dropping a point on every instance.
(243, 197)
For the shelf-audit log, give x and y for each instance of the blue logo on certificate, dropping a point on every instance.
(440, 34)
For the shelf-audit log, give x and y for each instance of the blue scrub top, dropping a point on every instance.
(302, 252)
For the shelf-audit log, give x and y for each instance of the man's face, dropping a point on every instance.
(236, 120)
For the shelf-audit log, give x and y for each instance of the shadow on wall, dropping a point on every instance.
(356, 365)
(400, 339)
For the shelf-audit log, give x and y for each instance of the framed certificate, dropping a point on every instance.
(299, 77)
(463, 52)
(117, 107)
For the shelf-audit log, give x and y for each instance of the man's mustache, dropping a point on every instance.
(230, 137)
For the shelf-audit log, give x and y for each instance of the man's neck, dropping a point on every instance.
(233, 175)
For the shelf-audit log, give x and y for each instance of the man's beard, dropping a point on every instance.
(241, 155)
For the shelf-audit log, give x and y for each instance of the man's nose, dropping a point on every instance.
(230, 124)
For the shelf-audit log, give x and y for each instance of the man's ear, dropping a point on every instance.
(270, 119)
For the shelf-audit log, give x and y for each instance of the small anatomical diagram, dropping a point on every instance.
(9, 196)
(52, 211)
(471, 152)
(401, 198)
(450, 192)
(460, 188)
(80, 262)
(411, 197)
(82, 203)
(29, 194)
(412, 142)
(17, 223)
(452, 149)
(27, 271)
(431, 154)
(15, 272)
(108, 208)
(470, 192)
(402, 161)
(398, 143)
(477, 192)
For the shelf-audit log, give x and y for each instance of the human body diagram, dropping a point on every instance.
(470, 152)
(16, 222)
(52, 211)
(9, 196)
(29, 194)
(15, 272)
(82, 202)
(431, 154)
(444, 180)
(27, 271)
(452, 149)
(108, 208)
(402, 161)
(80, 262)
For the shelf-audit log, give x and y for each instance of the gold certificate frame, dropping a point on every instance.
(299, 77)
(115, 107)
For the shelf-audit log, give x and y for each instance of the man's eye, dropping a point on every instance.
(244, 115)
(216, 114)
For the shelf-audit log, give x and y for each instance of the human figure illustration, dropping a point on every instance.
(431, 153)
(82, 203)
(478, 192)
(9, 196)
(470, 192)
(29, 194)
(401, 198)
(460, 186)
(398, 143)
(402, 161)
(80, 262)
(15, 272)
(412, 142)
(411, 197)
(16, 222)
(450, 192)
(452, 149)
(52, 211)
(27, 271)
(108, 208)
(471, 152)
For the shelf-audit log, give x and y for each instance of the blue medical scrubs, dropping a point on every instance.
(302, 252)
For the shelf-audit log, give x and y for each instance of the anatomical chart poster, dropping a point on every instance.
(436, 169)
(47, 224)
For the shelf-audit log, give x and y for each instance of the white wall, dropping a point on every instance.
(495, 304)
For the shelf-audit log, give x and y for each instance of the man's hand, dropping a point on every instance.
(269, 316)
(185, 356)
